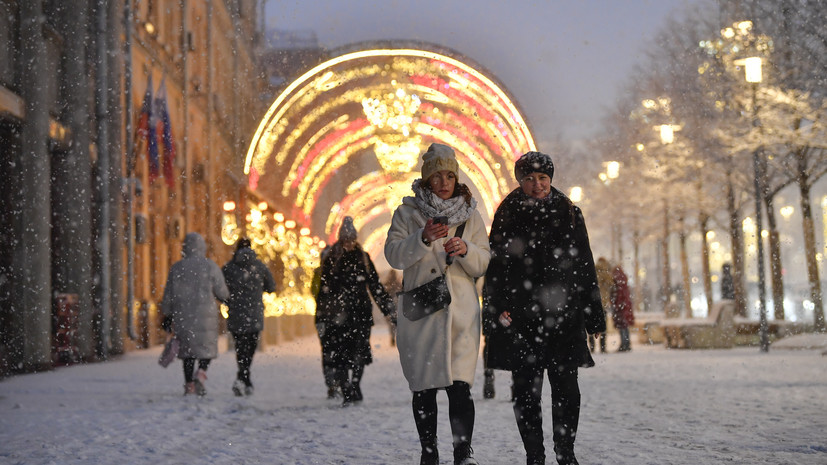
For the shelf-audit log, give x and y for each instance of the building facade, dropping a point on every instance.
(89, 227)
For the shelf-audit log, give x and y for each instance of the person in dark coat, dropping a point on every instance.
(193, 285)
(604, 281)
(393, 285)
(541, 298)
(727, 283)
(247, 279)
(322, 319)
(623, 315)
(348, 281)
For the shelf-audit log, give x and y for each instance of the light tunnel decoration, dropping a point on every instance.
(345, 138)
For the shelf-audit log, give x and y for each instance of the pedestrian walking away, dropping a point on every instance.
(189, 308)
(727, 283)
(320, 320)
(393, 285)
(541, 298)
(247, 278)
(604, 282)
(348, 281)
(623, 315)
(437, 232)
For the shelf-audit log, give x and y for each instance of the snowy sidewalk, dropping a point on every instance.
(648, 406)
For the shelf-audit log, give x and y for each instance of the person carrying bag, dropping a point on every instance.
(430, 297)
(439, 241)
(170, 351)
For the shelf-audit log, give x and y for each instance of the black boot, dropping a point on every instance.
(355, 381)
(464, 455)
(565, 455)
(488, 385)
(430, 453)
(535, 459)
(348, 394)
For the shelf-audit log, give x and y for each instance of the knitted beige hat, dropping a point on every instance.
(438, 157)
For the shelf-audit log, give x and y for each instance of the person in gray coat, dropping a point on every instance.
(189, 308)
(247, 279)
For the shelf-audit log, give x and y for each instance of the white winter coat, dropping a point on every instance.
(193, 285)
(441, 348)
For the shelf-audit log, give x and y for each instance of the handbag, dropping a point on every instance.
(428, 298)
(170, 351)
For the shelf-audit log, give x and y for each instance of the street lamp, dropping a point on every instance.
(612, 169)
(753, 75)
(576, 194)
(667, 133)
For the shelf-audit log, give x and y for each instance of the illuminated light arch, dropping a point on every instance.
(315, 151)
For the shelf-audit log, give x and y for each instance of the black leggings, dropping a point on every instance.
(460, 411)
(245, 348)
(189, 367)
(565, 407)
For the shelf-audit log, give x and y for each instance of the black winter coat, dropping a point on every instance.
(343, 305)
(542, 272)
(247, 279)
(347, 282)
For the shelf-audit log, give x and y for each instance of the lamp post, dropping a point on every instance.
(667, 136)
(612, 172)
(752, 68)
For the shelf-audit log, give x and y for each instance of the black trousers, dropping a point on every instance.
(565, 409)
(460, 411)
(245, 348)
(592, 341)
(189, 367)
(327, 341)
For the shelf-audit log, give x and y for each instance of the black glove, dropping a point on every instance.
(166, 324)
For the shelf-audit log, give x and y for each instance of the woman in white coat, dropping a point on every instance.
(440, 351)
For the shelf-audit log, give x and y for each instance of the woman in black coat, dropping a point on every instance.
(541, 296)
(247, 279)
(348, 281)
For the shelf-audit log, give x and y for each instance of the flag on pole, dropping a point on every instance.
(146, 131)
(165, 129)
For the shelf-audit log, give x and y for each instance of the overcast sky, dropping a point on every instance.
(563, 61)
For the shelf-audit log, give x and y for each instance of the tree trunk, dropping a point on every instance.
(775, 261)
(687, 280)
(737, 246)
(666, 289)
(703, 220)
(637, 303)
(810, 254)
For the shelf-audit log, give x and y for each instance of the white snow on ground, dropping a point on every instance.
(649, 406)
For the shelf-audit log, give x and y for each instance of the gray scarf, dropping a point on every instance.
(455, 208)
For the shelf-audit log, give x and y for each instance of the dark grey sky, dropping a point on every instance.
(563, 61)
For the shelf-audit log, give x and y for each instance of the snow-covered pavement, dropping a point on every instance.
(648, 406)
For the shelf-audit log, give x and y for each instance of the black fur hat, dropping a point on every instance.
(533, 162)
